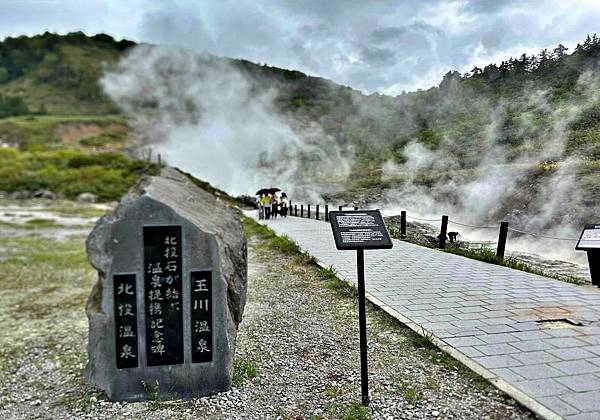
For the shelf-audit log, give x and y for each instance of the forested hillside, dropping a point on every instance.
(511, 132)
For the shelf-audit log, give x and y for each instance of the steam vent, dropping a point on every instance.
(163, 317)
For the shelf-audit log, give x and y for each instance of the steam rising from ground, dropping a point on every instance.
(223, 125)
(207, 117)
(474, 195)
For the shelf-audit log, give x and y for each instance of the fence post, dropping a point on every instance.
(442, 236)
(403, 224)
(340, 208)
(326, 213)
(308, 211)
(301, 210)
(296, 210)
(317, 213)
(502, 240)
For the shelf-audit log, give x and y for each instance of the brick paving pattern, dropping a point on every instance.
(490, 314)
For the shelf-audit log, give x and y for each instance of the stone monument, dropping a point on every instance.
(163, 317)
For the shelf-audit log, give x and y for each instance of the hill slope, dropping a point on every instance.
(510, 139)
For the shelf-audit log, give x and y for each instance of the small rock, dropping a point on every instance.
(21, 195)
(87, 197)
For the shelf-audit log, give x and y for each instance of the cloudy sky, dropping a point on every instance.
(372, 45)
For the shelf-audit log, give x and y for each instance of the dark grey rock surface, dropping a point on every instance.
(212, 238)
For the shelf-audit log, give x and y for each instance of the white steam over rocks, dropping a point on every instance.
(204, 115)
(553, 201)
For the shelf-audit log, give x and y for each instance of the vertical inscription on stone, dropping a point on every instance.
(162, 281)
(125, 321)
(201, 311)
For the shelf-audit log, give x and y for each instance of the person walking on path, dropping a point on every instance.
(284, 205)
(274, 205)
(266, 202)
(261, 209)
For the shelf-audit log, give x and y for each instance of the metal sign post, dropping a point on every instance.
(589, 241)
(360, 230)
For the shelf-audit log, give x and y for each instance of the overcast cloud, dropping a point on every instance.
(377, 45)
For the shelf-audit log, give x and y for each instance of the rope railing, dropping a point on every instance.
(542, 236)
(424, 220)
(523, 232)
(472, 226)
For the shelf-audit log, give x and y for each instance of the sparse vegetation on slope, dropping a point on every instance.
(71, 172)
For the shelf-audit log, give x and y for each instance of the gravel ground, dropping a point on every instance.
(299, 331)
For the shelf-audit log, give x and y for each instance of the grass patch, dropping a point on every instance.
(424, 340)
(270, 239)
(327, 273)
(334, 391)
(33, 262)
(42, 223)
(243, 369)
(155, 399)
(306, 258)
(83, 400)
(41, 131)
(9, 357)
(342, 288)
(335, 284)
(71, 172)
(253, 228)
(285, 244)
(78, 210)
(412, 394)
(352, 411)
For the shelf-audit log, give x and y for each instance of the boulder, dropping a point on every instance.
(49, 195)
(163, 317)
(87, 197)
(21, 195)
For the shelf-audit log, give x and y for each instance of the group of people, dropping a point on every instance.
(270, 205)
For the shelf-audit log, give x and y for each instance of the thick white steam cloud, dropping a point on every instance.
(502, 172)
(207, 117)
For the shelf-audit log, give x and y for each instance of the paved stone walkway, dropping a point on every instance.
(485, 315)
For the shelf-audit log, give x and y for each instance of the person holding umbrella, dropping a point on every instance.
(261, 194)
(274, 205)
(266, 200)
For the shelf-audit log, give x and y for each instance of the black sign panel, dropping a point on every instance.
(162, 295)
(359, 229)
(201, 310)
(125, 321)
(590, 238)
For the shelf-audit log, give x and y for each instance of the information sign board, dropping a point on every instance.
(359, 229)
(589, 239)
